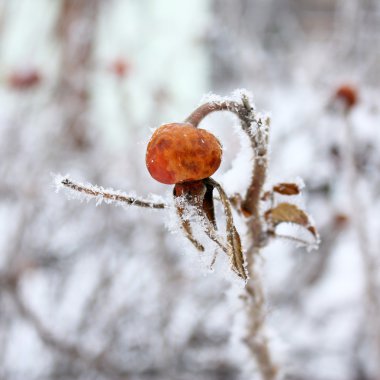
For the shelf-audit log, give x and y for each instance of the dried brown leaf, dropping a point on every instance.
(287, 188)
(289, 213)
(235, 252)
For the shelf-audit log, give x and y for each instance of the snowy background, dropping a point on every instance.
(110, 293)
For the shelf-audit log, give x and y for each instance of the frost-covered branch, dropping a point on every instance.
(255, 303)
(257, 130)
(108, 195)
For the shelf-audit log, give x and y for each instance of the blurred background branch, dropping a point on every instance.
(81, 83)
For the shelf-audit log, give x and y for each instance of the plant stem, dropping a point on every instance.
(255, 303)
(254, 296)
(256, 339)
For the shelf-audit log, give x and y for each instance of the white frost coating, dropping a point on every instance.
(235, 96)
(212, 98)
(171, 221)
(259, 129)
(299, 182)
(100, 198)
(212, 259)
(238, 93)
(57, 181)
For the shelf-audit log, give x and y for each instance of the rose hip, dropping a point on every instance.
(179, 152)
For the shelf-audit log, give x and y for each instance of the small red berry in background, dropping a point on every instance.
(340, 220)
(347, 95)
(180, 152)
(120, 67)
(23, 79)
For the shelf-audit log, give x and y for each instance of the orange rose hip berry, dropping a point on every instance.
(348, 95)
(180, 152)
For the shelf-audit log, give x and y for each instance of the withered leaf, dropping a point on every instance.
(287, 188)
(235, 252)
(289, 213)
(234, 248)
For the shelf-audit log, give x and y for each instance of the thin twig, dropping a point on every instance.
(58, 344)
(110, 195)
(359, 222)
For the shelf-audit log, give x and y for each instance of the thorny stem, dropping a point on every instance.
(109, 195)
(369, 264)
(253, 298)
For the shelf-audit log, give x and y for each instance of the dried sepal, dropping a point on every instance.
(208, 206)
(197, 195)
(189, 194)
(212, 233)
(289, 213)
(187, 230)
(234, 247)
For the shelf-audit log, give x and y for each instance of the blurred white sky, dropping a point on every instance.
(160, 40)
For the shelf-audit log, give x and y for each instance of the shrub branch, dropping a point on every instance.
(257, 130)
